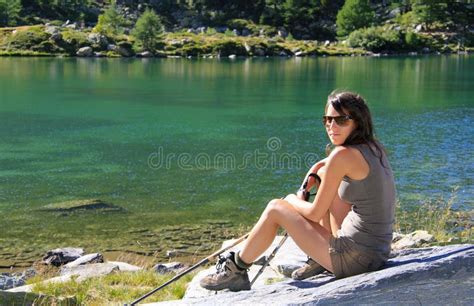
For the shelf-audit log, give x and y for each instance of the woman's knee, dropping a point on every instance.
(275, 207)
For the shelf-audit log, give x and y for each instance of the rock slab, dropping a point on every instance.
(84, 260)
(58, 257)
(435, 275)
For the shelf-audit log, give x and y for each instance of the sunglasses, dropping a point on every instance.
(340, 120)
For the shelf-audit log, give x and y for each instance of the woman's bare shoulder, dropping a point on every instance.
(343, 153)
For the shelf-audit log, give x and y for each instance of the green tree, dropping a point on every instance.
(355, 14)
(429, 11)
(148, 30)
(110, 22)
(9, 12)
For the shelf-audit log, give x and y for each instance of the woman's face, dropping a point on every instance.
(338, 133)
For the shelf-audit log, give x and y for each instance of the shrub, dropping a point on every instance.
(413, 40)
(73, 40)
(229, 33)
(376, 39)
(238, 24)
(241, 24)
(27, 39)
(228, 47)
(211, 31)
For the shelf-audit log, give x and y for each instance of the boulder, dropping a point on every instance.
(58, 257)
(247, 47)
(8, 281)
(51, 29)
(12, 280)
(124, 51)
(86, 259)
(85, 51)
(83, 272)
(125, 267)
(88, 204)
(97, 39)
(412, 240)
(145, 54)
(170, 267)
(56, 36)
(91, 270)
(435, 275)
(419, 28)
(394, 13)
(282, 33)
(259, 52)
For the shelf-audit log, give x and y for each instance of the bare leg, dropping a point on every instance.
(338, 212)
(310, 236)
(326, 222)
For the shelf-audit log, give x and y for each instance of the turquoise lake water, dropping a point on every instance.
(187, 141)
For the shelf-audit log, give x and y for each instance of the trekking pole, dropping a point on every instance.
(200, 263)
(282, 241)
(270, 257)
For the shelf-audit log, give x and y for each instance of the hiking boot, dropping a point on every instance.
(227, 276)
(311, 268)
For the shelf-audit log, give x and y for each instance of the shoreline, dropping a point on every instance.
(46, 40)
(31, 54)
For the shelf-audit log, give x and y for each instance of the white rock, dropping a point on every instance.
(86, 259)
(170, 267)
(413, 240)
(85, 51)
(125, 267)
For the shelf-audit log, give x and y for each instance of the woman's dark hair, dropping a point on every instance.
(354, 105)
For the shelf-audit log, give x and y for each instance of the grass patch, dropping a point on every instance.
(437, 217)
(26, 53)
(117, 288)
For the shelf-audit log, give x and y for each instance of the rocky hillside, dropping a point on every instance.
(265, 28)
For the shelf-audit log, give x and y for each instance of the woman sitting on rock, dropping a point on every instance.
(348, 229)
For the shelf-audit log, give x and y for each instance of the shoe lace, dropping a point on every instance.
(221, 267)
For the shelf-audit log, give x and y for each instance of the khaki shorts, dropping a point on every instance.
(348, 260)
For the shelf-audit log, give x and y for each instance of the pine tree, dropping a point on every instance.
(355, 14)
(9, 12)
(148, 30)
(110, 22)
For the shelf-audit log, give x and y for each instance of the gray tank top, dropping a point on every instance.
(369, 223)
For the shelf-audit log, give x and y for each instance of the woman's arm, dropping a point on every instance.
(338, 164)
(311, 181)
